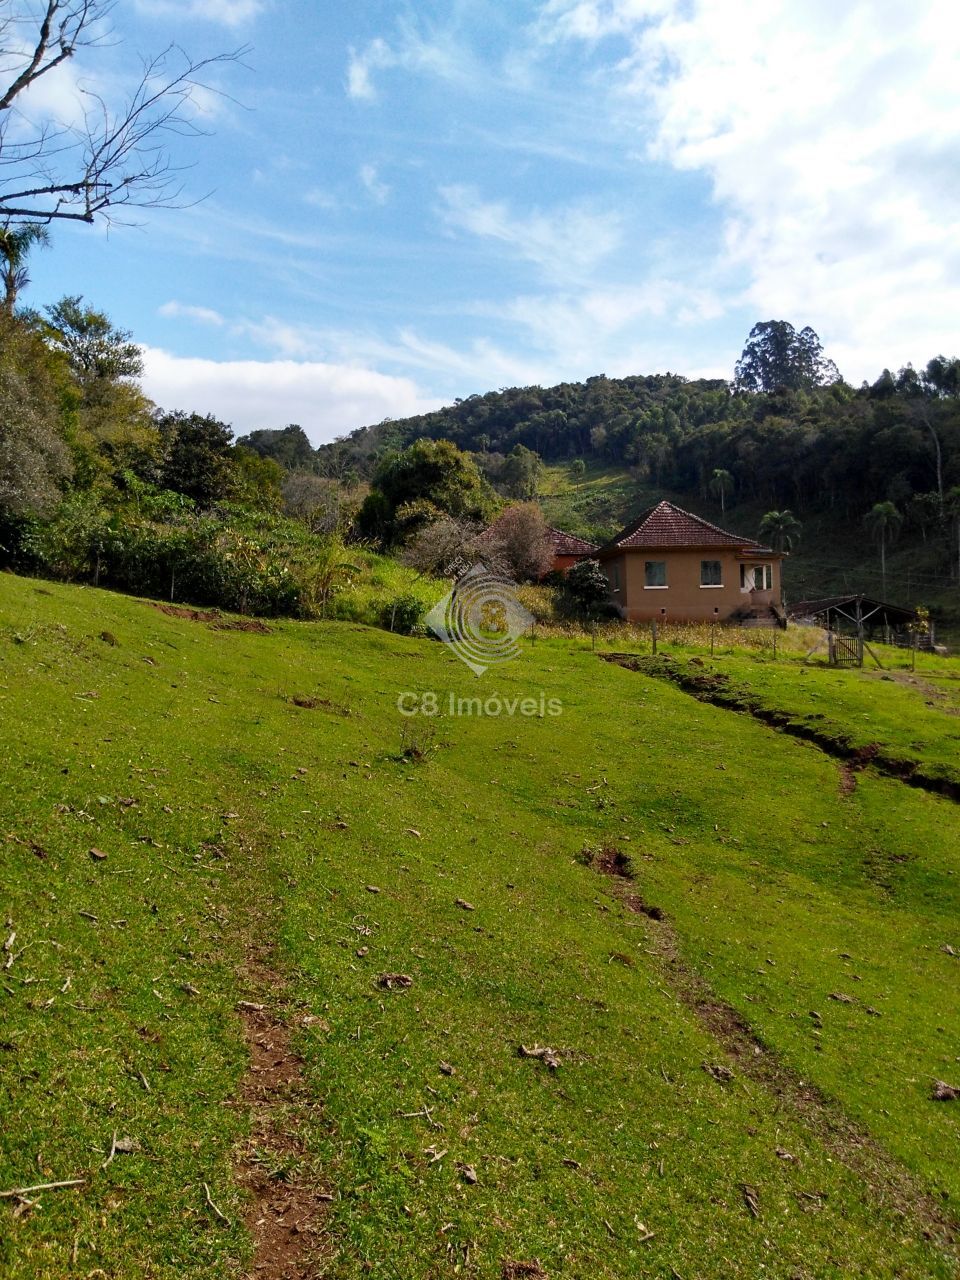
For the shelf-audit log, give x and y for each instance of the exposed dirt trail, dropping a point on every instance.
(891, 1185)
(715, 688)
(287, 1207)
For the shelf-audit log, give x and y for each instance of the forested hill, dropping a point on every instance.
(818, 448)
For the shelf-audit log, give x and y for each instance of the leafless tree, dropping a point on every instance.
(443, 547)
(313, 499)
(519, 542)
(111, 157)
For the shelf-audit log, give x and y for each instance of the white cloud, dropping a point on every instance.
(564, 243)
(594, 19)
(829, 134)
(174, 310)
(577, 329)
(291, 341)
(477, 365)
(326, 399)
(378, 190)
(228, 13)
(318, 198)
(375, 57)
(437, 55)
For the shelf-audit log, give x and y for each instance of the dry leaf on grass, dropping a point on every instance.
(391, 981)
(549, 1057)
(718, 1071)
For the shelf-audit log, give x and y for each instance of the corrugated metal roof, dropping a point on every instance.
(868, 605)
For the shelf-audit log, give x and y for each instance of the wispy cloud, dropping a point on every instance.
(174, 310)
(228, 13)
(378, 190)
(362, 64)
(563, 243)
(319, 198)
(434, 53)
(474, 365)
(594, 19)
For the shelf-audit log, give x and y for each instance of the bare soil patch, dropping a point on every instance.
(308, 703)
(848, 780)
(609, 861)
(213, 618)
(287, 1208)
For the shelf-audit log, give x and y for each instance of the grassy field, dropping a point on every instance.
(743, 1084)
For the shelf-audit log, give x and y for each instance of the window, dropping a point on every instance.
(655, 573)
(615, 577)
(711, 573)
(756, 577)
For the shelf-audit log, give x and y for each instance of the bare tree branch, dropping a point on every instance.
(55, 170)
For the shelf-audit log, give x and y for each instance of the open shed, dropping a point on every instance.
(857, 614)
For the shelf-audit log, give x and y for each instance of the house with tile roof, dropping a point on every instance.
(674, 566)
(568, 549)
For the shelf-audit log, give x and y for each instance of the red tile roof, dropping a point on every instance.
(568, 544)
(665, 526)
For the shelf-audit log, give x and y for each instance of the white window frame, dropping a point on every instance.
(711, 586)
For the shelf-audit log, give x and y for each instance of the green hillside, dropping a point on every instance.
(639, 989)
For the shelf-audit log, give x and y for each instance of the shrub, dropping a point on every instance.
(587, 588)
(404, 614)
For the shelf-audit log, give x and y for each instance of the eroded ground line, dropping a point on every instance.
(286, 1202)
(891, 1185)
(714, 688)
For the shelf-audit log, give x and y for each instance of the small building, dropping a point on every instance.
(568, 549)
(674, 566)
(858, 614)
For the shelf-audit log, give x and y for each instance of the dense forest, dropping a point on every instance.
(807, 447)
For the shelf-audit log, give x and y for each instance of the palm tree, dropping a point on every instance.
(781, 528)
(15, 245)
(883, 521)
(721, 483)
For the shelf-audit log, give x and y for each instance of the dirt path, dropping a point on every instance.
(716, 688)
(287, 1206)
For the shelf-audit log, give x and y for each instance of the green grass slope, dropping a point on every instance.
(235, 820)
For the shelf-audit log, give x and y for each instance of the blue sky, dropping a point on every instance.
(410, 203)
